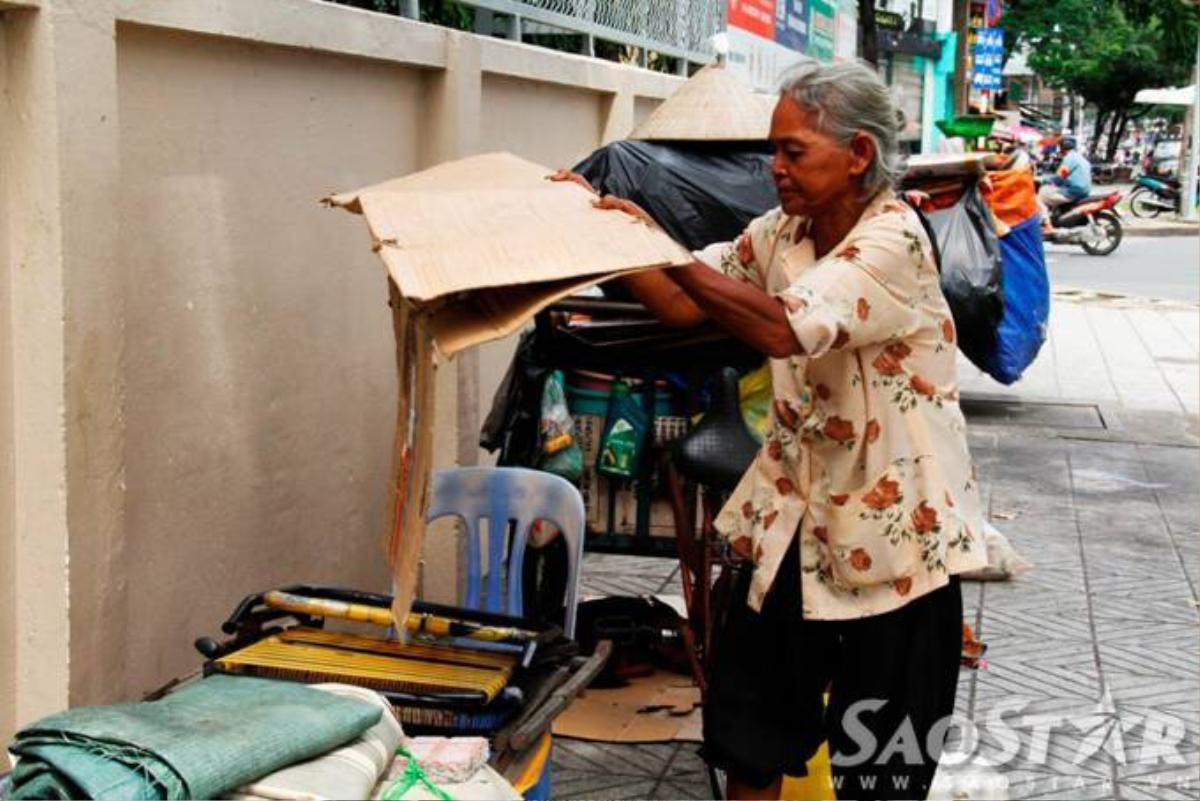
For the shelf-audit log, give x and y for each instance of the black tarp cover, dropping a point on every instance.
(699, 193)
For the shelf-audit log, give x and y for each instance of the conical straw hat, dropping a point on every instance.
(712, 106)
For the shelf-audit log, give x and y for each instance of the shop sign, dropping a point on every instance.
(755, 16)
(888, 20)
(821, 30)
(988, 58)
(845, 47)
(791, 24)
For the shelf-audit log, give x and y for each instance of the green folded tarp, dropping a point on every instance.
(199, 742)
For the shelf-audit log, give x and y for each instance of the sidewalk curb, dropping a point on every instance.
(1163, 231)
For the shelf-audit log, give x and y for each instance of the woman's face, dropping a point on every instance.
(814, 173)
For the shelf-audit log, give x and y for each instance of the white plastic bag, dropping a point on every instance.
(1004, 562)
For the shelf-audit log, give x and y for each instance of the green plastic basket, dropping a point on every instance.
(968, 127)
(595, 401)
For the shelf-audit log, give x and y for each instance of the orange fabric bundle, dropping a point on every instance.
(1011, 195)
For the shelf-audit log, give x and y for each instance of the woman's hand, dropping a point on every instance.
(627, 206)
(662, 296)
(608, 201)
(573, 177)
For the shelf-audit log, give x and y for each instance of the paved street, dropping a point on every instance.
(1090, 466)
(1156, 267)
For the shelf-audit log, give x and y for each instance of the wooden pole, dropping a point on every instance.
(408, 490)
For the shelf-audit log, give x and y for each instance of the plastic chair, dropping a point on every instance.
(505, 495)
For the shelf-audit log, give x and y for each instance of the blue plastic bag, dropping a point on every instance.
(1023, 327)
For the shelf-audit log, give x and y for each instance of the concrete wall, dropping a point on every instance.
(196, 372)
(261, 308)
(37, 652)
(8, 549)
(517, 112)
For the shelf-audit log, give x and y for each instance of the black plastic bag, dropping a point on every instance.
(971, 274)
(512, 425)
(645, 633)
(699, 193)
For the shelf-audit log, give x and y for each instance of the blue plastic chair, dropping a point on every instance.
(503, 495)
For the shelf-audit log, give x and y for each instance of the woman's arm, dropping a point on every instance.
(654, 288)
(751, 315)
(665, 299)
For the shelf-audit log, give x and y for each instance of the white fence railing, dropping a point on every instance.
(681, 29)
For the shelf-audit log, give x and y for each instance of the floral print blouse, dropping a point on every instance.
(866, 452)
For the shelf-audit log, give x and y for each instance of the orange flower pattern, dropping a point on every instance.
(884, 495)
(786, 415)
(860, 560)
(922, 387)
(838, 430)
(925, 519)
(745, 250)
(890, 360)
(880, 522)
(742, 546)
(948, 330)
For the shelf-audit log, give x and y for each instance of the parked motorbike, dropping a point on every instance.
(1154, 195)
(1091, 222)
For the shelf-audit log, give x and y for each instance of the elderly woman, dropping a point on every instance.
(862, 505)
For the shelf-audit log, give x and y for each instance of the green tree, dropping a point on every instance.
(438, 12)
(1106, 51)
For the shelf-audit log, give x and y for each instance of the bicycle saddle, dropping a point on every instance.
(718, 452)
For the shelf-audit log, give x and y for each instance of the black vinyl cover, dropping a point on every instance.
(699, 193)
(971, 275)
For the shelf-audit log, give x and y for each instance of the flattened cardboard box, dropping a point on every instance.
(652, 709)
(474, 249)
(482, 244)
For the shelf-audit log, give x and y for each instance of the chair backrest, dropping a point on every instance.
(504, 495)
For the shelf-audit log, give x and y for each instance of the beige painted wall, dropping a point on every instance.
(552, 125)
(32, 211)
(197, 396)
(642, 107)
(259, 362)
(8, 551)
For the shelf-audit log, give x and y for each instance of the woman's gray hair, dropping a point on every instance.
(847, 98)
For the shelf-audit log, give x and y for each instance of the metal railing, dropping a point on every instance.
(681, 29)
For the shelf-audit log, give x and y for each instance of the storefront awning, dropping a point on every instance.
(1183, 96)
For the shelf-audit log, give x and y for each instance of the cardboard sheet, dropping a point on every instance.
(922, 167)
(474, 249)
(484, 243)
(658, 708)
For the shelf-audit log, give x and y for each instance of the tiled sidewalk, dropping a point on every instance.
(1090, 466)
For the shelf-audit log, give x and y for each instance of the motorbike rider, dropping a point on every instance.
(1071, 182)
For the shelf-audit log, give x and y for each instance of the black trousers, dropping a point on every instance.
(891, 678)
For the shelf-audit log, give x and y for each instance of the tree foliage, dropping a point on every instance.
(1106, 51)
(439, 12)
